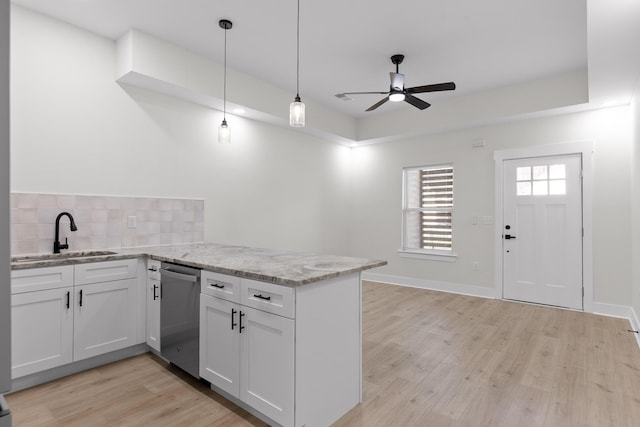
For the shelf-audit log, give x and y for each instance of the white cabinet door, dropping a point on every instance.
(267, 364)
(153, 314)
(41, 330)
(104, 317)
(220, 343)
(153, 304)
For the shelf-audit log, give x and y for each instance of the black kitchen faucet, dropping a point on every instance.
(56, 244)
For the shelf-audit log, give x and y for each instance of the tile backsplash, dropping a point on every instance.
(103, 221)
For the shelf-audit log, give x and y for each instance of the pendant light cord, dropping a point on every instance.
(224, 102)
(298, 55)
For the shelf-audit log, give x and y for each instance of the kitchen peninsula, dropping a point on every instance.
(280, 332)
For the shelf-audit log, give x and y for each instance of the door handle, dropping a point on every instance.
(509, 237)
(233, 315)
(155, 288)
(80, 297)
(68, 299)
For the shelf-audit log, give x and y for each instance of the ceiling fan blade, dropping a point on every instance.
(362, 93)
(377, 104)
(416, 102)
(432, 88)
(397, 81)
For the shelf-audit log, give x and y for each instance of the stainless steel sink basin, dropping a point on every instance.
(66, 255)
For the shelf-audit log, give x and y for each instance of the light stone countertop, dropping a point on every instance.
(267, 265)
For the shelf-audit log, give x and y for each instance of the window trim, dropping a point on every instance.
(417, 253)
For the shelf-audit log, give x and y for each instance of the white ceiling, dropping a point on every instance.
(346, 45)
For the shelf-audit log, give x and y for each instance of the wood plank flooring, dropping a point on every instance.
(429, 359)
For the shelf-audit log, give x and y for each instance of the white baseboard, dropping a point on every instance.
(455, 288)
(611, 310)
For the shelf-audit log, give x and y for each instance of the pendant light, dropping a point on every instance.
(296, 109)
(224, 133)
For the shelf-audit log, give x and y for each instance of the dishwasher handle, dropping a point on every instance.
(179, 276)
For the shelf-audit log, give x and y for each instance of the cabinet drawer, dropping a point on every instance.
(39, 279)
(268, 297)
(105, 271)
(221, 286)
(153, 269)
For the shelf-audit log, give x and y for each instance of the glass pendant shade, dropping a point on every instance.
(296, 113)
(224, 133)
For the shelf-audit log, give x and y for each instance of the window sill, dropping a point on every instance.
(431, 256)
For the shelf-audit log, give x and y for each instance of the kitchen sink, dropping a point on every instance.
(66, 255)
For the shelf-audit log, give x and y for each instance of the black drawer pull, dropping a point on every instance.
(215, 285)
(262, 297)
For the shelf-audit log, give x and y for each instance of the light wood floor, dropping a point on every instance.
(429, 359)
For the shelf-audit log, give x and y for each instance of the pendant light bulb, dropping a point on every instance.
(296, 108)
(224, 133)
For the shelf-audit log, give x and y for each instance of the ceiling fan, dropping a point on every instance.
(397, 91)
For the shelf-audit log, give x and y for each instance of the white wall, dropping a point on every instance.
(5, 280)
(76, 131)
(377, 191)
(635, 200)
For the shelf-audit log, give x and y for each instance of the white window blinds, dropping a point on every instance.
(437, 201)
(428, 208)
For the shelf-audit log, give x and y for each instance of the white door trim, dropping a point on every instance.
(586, 150)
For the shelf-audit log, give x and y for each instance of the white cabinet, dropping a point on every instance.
(153, 304)
(69, 313)
(105, 309)
(267, 364)
(220, 343)
(104, 318)
(292, 354)
(41, 330)
(248, 353)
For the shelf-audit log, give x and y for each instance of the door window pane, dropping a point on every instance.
(540, 188)
(557, 187)
(524, 188)
(540, 172)
(557, 172)
(523, 174)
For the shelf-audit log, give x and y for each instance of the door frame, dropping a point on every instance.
(585, 149)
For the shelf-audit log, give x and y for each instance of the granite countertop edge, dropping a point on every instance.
(195, 255)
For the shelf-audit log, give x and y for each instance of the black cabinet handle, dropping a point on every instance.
(233, 315)
(215, 285)
(509, 237)
(68, 300)
(155, 288)
(262, 297)
(241, 316)
(80, 297)
(152, 269)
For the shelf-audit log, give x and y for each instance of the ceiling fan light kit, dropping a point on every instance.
(397, 92)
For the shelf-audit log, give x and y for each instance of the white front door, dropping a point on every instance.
(542, 230)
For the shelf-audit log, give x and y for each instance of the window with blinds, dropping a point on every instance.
(428, 208)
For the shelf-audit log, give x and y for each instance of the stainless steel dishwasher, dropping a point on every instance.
(180, 316)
